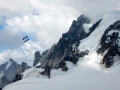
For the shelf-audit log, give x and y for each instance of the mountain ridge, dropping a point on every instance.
(9, 70)
(77, 59)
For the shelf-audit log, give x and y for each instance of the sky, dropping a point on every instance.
(43, 22)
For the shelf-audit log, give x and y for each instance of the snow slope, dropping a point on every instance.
(87, 75)
(92, 42)
(78, 78)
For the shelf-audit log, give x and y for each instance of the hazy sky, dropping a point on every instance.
(43, 21)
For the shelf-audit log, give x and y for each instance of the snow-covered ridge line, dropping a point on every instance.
(92, 43)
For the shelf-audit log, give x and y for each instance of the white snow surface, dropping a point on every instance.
(38, 64)
(77, 78)
(86, 75)
(87, 26)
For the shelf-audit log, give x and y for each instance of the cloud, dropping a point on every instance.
(94, 9)
(10, 37)
(43, 21)
(23, 54)
(47, 26)
(12, 8)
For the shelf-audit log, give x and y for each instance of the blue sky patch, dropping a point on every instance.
(31, 38)
(3, 48)
(1, 26)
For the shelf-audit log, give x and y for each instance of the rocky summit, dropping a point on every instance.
(9, 71)
(67, 47)
(37, 58)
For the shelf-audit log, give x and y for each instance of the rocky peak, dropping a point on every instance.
(22, 67)
(8, 66)
(67, 47)
(77, 27)
(12, 60)
(9, 70)
(37, 58)
(83, 19)
(64, 48)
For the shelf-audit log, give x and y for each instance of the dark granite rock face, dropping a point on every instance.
(17, 77)
(45, 52)
(4, 81)
(46, 72)
(110, 42)
(67, 47)
(64, 47)
(10, 71)
(22, 67)
(37, 58)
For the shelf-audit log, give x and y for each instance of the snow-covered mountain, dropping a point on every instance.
(84, 58)
(102, 44)
(8, 71)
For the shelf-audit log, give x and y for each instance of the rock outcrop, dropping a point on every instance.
(37, 58)
(110, 45)
(10, 70)
(22, 67)
(67, 47)
(7, 72)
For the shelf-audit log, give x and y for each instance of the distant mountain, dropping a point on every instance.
(8, 71)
